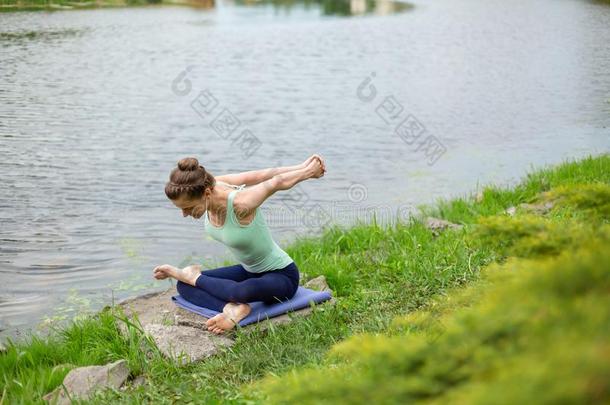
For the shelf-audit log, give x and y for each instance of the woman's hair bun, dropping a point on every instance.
(188, 178)
(188, 164)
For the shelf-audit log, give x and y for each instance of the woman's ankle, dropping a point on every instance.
(189, 275)
(236, 311)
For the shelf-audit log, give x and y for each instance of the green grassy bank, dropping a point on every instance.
(506, 309)
(49, 5)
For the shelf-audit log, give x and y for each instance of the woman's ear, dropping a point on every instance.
(206, 196)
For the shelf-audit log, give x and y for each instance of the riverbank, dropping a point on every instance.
(391, 331)
(53, 5)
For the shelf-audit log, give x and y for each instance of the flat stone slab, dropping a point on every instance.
(82, 382)
(186, 344)
(182, 335)
(318, 284)
(152, 308)
(536, 209)
(183, 317)
(436, 224)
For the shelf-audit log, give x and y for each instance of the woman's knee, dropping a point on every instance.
(284, 294)
(245, 292)
(199, 297)
(183, 288)
(292, 273)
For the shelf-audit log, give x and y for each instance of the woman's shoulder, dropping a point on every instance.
(231, 186)
(239, 205)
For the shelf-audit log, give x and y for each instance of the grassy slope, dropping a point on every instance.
(377, 274)
(535, 328)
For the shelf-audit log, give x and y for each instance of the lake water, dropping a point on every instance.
(406, 104)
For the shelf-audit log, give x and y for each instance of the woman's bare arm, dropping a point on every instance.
(251, 198)
(254, 177)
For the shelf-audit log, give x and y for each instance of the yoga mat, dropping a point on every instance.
(261, 311)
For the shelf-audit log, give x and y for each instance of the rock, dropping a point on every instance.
(138, 381)
(82, 382)
(152, 308)
(186, 344)
(436, 225)
(537, 209)
(318, 284)
(176, 330)
(182, 317)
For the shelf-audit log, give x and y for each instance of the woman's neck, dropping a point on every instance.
(218, 199)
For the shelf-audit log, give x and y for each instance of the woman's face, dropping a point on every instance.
(191, 207)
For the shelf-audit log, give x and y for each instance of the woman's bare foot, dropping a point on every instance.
(231, 314)
(187, 275)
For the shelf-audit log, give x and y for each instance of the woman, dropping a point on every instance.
(265, 272)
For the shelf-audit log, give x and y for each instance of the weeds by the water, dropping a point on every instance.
(37, 365)
(379, 275)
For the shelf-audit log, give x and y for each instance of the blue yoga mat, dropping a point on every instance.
(261, 311)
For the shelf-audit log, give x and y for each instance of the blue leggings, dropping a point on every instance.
(235, 284)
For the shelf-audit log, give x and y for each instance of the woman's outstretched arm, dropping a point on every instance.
(251, 198)
(254, 177)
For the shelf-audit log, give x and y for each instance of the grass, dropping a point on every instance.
(530, 331)
(534, 328)
(403, 295)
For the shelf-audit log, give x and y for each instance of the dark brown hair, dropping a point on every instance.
(188, 178)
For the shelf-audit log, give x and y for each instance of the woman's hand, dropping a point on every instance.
(253, 197)
(314, 157)
(315, 168)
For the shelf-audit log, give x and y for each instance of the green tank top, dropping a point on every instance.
(252, 244)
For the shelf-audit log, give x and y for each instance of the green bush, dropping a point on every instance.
(538, 332)
(533, 328)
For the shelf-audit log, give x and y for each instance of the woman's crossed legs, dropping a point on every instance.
(229, 289)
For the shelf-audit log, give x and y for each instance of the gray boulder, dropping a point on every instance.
(437, 225)
(186, 344)
(537, 209)
(156, 307)
(83, 382)
(182, 317)
(318, 284)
